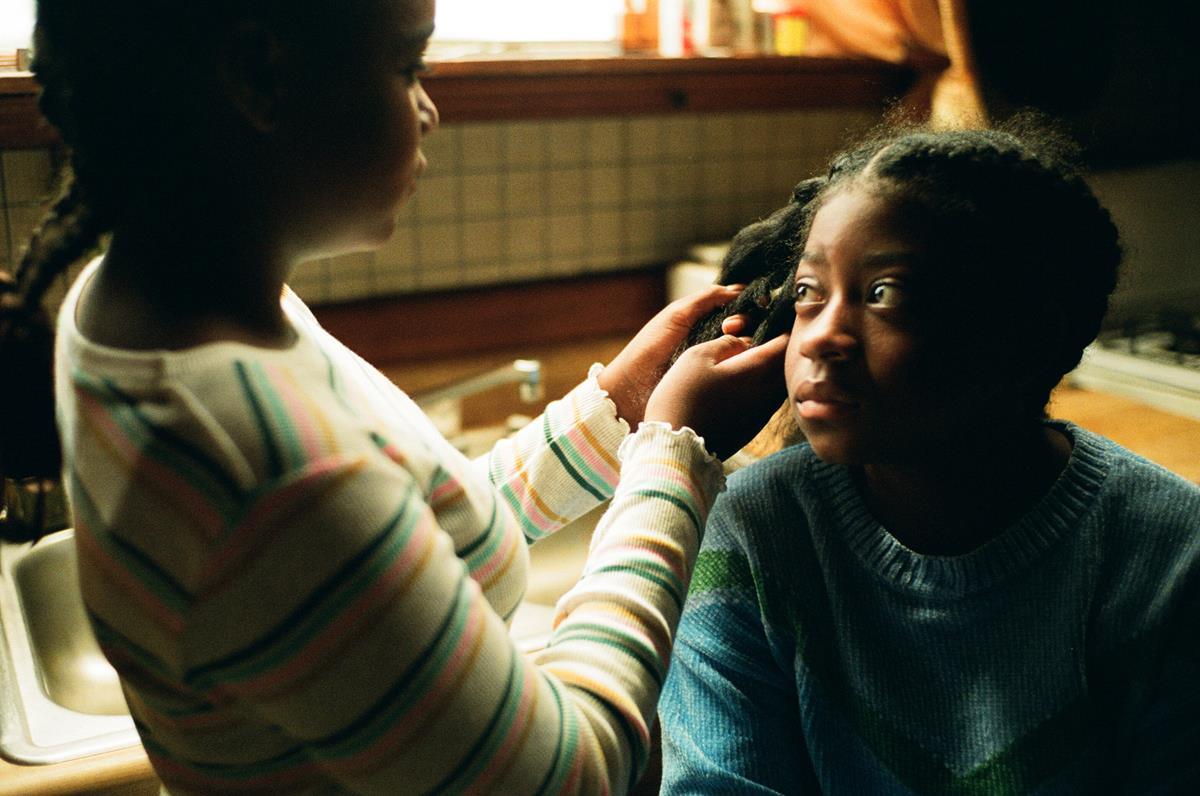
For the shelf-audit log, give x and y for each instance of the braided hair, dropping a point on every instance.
(995, 207)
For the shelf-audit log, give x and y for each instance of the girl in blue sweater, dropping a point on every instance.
(940, 590)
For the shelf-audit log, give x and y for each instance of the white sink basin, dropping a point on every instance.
(59, 697)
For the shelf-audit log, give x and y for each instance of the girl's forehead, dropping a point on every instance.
(856, 214)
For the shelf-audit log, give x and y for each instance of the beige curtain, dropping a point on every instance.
(929, 35)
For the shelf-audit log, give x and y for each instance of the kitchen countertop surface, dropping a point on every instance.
(1171, 440)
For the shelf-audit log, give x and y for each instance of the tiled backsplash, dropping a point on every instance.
(507, 202)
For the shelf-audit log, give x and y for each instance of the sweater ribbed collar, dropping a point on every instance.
(1014, 549)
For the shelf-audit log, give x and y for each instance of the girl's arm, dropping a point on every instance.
(729, 714)
(380, 661)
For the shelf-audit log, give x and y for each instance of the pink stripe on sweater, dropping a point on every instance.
(301, 412)
(417, 717)
(92, 553)
(163, 480)
(518, 733)
(256, 529)
(385, 591)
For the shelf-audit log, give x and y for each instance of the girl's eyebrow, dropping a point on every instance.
(889, 257)
(418, 36)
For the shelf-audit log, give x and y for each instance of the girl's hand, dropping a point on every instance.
(635, 372)
(724, 390)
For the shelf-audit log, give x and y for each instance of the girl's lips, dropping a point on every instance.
(820, 400)
(825, 410)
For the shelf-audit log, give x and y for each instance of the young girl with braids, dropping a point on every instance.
(939, 590)
(302, 586)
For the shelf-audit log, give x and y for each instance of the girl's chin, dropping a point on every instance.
(834, 448)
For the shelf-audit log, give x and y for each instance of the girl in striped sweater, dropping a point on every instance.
(303, 587)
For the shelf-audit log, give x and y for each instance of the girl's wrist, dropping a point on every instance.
(629, 407)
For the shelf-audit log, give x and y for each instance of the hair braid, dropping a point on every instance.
(29, 445)
(763, 257)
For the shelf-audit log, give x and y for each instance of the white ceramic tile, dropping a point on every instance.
(606, 141)
(443, 151)
(351, 275)
(438, 246)
(757, 133)
(721, 178)
(525, 144)
(566, 189)
(488, 272)
(482, 195)
(756, 173)
(525, 241)
(310, 280)
(605, 261)
(606, 185)
(680, 181)
(525, 192)
(28, 176)
(681, 136)
(606, 232)
(642, 230)
(399, 253)
(439, 198)
(567, 142)
(526, 269)
(718, 133)
(481, 146)
(644, 185)
(483, 241)
(567, 235)
(645, 139)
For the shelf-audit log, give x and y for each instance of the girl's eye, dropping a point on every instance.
(414, 71)
(888, 293)
(807, 292)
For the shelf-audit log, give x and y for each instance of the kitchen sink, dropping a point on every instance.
(59, 698)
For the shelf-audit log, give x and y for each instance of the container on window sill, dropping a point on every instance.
(788, 25)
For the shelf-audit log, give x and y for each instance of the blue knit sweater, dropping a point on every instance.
(817, 654)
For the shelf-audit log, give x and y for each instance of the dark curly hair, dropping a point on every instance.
(129, 86)
(993, 207)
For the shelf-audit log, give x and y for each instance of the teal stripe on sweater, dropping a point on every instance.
(281, 421)
(165, 447)
(646, 656)
(571, 461)
(494, 733)
(322, 607)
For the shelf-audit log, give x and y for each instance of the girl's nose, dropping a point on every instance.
(829, 336)
(427, 110)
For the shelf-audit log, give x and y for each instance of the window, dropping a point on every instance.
(16, 25)
(531, 27)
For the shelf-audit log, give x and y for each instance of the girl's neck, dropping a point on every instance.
(174, 292)
(963, 501)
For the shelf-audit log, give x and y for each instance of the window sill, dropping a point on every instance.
(507, 89)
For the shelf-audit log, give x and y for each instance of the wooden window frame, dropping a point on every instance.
(492, 90)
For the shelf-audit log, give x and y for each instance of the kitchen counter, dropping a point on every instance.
(1168, 439)
(125, 772)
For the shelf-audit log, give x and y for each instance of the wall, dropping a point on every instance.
(1156, 209)
(506, 202)
(510, 202)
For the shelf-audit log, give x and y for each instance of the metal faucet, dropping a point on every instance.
(527, 373)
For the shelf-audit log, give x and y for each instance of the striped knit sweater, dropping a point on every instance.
(819, 655)
(305, 588)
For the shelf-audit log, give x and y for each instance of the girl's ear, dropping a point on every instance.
(252, 66)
